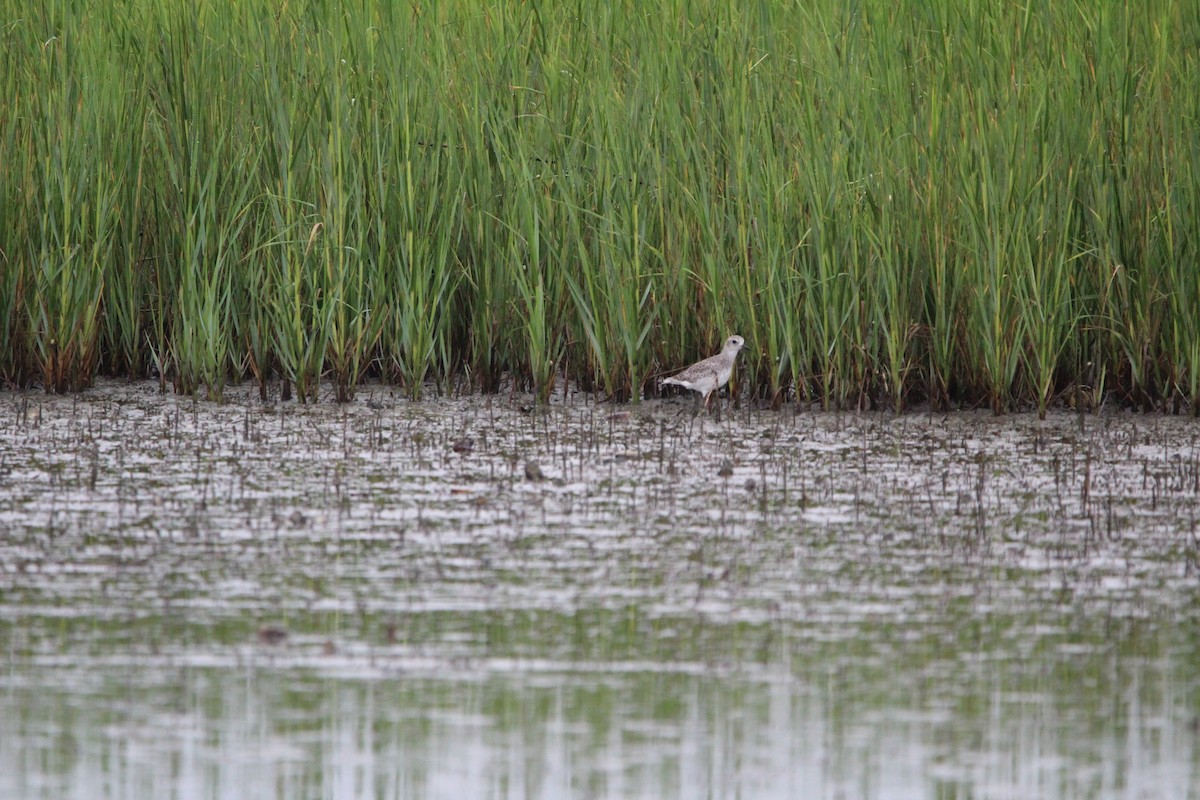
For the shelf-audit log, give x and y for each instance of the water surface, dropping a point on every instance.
(374, 600)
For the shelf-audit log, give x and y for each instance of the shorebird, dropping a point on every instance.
(705, 377)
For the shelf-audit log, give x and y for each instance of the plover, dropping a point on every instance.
(705, 377)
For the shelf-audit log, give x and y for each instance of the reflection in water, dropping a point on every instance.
(259, 731)
(871, 606)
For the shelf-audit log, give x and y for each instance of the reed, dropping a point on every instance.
(954, 203)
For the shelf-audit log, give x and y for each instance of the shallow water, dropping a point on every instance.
(374, 600)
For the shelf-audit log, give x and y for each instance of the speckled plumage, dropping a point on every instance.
(705, 377)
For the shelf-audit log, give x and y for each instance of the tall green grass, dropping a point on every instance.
(975, 203)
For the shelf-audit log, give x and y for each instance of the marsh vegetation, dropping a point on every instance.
(955, 202)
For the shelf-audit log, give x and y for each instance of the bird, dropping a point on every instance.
(705, 377)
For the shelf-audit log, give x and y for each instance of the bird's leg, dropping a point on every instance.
(696, 405)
